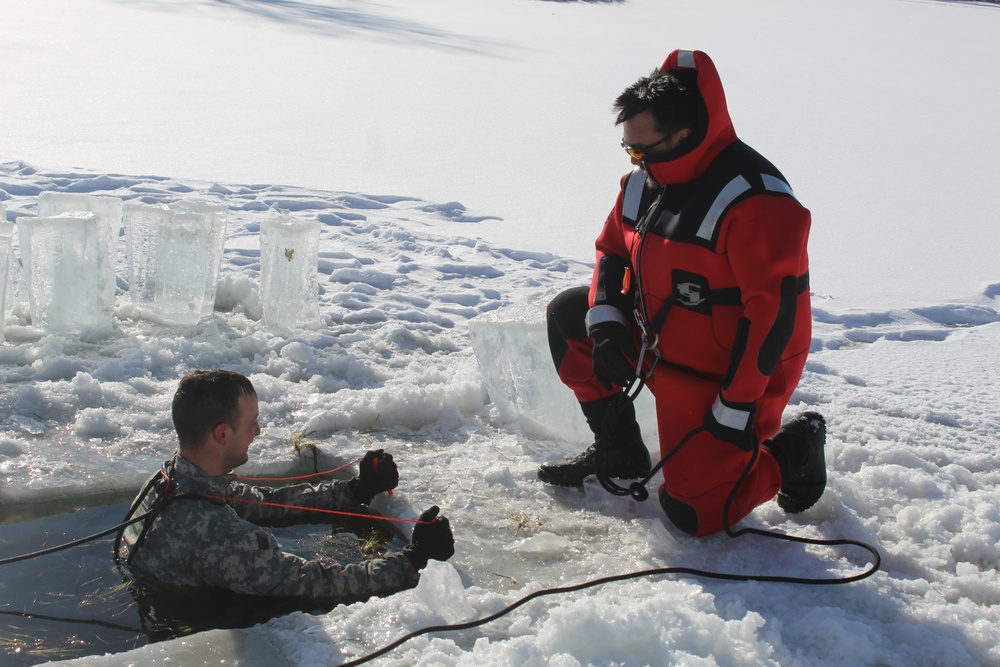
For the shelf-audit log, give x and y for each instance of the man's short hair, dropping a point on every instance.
(672, 102)
(205, 399)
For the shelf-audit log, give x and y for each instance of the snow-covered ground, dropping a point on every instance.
(461, 158)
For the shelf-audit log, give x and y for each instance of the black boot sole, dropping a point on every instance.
(562, 478)
(794, 498)
(572, 473)
(805, 489)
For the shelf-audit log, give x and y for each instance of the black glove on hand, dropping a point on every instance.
(432, 538)
(615, 354)
(376, 473)
(741, 435)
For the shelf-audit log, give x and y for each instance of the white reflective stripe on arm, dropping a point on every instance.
(774, 184)
(730, 417)
(729, 194)
(633, 194)
(605, 313)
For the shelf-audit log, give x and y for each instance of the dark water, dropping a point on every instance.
(75, 602)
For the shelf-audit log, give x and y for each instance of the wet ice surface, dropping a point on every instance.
(908, 394)
(76, 603)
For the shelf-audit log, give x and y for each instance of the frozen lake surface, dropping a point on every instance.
(394, 365)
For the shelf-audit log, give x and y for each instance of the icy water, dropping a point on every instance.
(75, 602)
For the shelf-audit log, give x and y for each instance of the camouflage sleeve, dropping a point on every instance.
(262, 504)
(245, 558)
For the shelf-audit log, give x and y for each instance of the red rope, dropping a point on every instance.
(292, 479)
(310, 509)
(317, 509)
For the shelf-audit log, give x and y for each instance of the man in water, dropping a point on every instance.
(206, 529)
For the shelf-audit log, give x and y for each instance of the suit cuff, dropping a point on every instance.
(604, 313)
(732, 416)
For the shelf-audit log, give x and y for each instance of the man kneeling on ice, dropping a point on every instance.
(205, 528)
(701, 292)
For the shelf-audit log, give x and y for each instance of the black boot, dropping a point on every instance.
(798, 449)
(618, 447)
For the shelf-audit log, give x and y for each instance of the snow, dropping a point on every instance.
(461, 156)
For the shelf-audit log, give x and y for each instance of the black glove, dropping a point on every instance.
(376, 473)
(736, 426)
(432, 538)
(615, 354)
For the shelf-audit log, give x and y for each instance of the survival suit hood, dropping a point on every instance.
(713, 129)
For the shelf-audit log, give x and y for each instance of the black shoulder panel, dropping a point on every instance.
(693, 214)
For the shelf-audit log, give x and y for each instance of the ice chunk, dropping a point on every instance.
(142, 233)
(6, 253)
(108, 212)
(174, 254)
(212, 216)
(289, 255)
(544, 543)
(512, 348)
(185, 269)
(16, 291)
(65, 276)
(212, 647)
(441, 590)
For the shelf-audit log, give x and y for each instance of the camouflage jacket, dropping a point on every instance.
(222, 543)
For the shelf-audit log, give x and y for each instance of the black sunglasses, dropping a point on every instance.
(639, 152)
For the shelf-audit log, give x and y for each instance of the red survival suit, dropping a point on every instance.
(713, 263)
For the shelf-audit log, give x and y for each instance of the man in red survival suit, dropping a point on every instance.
(702, 280)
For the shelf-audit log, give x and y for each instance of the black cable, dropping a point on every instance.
(636, 575)
(638, 491)
(59, 619)
(876, 562)
(73, 543)
(614, 489)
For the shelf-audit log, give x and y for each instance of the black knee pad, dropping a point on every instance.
(568, 310)
(564, 318)
(680, 513)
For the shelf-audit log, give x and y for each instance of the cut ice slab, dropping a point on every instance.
(212, 217)
(108, 212)
(6, 255)
(142, 231)
(512, 348)
(66, 280)
(289, 257)
(174, 254)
